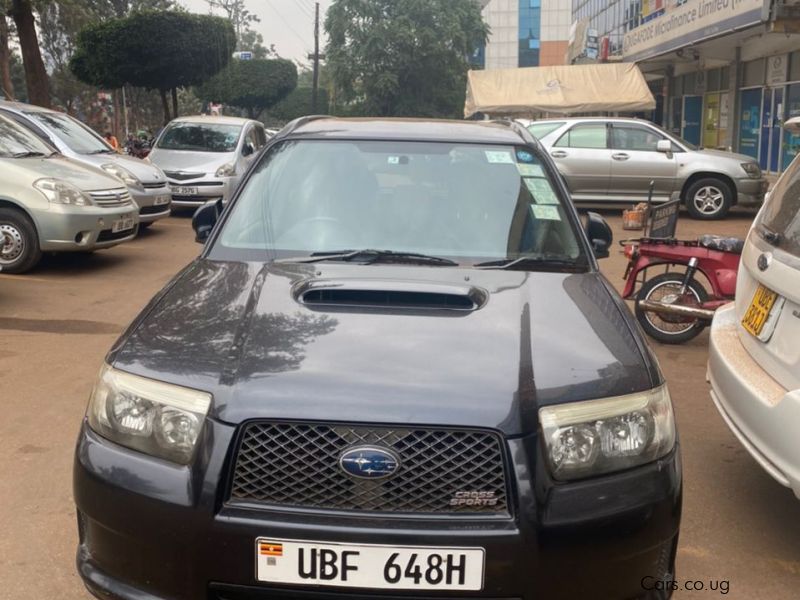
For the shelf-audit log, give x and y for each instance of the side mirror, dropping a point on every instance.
(248, 149)
(204, 220)
(599, 234)
(664, 146)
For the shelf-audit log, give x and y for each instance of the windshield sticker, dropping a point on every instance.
(499, 157)
(525, 157)
(541, 191)
(394, 160)
(530, 170)
(545, 213)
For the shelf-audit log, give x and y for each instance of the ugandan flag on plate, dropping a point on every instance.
(270, 549)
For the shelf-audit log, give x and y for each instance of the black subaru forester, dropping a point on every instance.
(395, 371)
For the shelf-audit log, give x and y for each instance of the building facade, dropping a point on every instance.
(525, 33)
(726, 73)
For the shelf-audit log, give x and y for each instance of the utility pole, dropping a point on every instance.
(316, 57)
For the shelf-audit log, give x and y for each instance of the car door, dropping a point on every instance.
(636, 161)
(584, 159)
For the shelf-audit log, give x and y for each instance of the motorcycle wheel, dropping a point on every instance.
(675, 330)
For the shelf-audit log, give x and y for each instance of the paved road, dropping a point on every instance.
(57, 323)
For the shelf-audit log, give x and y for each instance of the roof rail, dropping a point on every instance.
(292, 126)
(518, 129)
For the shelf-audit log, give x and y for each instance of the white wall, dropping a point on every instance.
(502, 51)
(556, 20)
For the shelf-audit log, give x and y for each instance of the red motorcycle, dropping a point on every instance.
(673, 306)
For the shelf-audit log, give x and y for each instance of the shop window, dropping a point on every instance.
(690, 83)
(712, 80)
(725, 78)
(794, 66)
(755, 73)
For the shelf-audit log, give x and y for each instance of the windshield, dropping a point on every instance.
(76, 136)
(539, 130)
(18, 142)
(435, 198)
(199, 137)
(781, 215)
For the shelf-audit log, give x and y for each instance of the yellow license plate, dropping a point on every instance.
(756, 316)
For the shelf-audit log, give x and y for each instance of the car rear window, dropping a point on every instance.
(447, 199)
(781, 215)
(540, 130)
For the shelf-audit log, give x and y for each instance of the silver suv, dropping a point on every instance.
(146, 183)
(614, 160)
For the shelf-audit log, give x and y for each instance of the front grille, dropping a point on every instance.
(111, 198)
(181, 176)
(221, 591)
(109, 236)
(297, 465)
(201, 199)
(155, 185)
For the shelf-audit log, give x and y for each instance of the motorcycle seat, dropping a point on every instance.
(722, 244)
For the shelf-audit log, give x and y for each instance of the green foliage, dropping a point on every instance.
(253, 85)
(298, 104)
(154, 50)
(403, 57)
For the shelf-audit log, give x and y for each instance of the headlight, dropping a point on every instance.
(228, 170)
(61, 192)
(600, 436)
(122, 174)
(752, 169)
(156, 418)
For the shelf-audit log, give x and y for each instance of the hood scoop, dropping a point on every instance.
(389, 294)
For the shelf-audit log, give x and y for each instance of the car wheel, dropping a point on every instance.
(708, 199)
(19, 243)
(669, 329)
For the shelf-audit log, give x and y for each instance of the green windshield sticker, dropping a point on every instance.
(530, 170)
(541, 191)
(546, 213)
(499, 157)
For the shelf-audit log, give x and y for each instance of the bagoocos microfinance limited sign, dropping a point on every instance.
(690, 22)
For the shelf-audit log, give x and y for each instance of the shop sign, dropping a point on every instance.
(688, 23)
(777, 69)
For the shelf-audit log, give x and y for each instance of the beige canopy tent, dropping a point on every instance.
(562, 90)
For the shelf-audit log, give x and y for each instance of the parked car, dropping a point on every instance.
(204, 158)
(614, 160)
(146, 183)
(50, 203)
(754, 352)
(403, 372)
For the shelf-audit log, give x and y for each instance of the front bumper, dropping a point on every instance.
(751, 192)
(206, 189)
(74, 228)
(152, 530)
(154, 203)
(758, 410)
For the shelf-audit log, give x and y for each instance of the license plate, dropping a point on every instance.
(122, 225)
(184, 191)
(160, 200)
(760, 308)
(369, 566)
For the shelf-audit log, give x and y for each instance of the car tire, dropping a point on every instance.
(20, 250)
(708, 199)
(661, 329)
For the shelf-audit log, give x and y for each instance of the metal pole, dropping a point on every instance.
(315, 93)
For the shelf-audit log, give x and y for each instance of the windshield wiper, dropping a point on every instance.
(533, 262)
(369, 257)
(102, 151)
(27, 154)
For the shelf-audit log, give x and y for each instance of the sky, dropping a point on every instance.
(288, 24)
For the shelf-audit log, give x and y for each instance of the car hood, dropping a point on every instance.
(236, 330)
(144, 172)
(739, 158)
(83, 176)
(192, 162)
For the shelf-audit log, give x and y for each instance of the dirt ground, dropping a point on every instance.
(740, 533)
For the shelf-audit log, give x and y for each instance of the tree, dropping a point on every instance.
(35, 73)
(253, 85)
(163, 51)
(403, 57)
(6, 84)
(298, 104)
